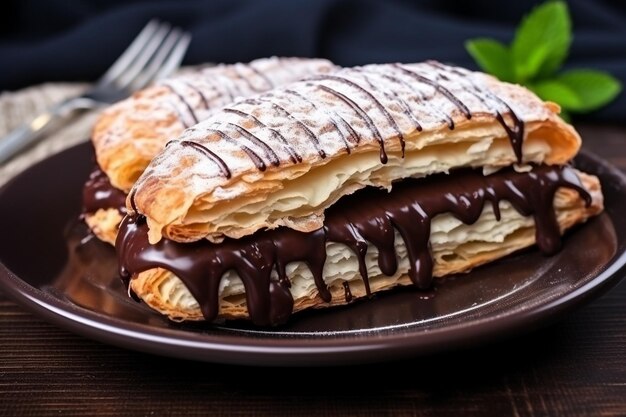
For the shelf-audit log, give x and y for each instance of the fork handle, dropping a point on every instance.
(29, 133)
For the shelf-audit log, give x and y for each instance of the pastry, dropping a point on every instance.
(345, 184)
(281, 158)
(130, 133)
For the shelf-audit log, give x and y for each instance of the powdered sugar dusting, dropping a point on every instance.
(329, 115)
(143, 123)
(198, 94)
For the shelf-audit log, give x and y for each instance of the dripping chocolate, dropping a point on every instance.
(367, 217)
(255, 131)
(98, 193)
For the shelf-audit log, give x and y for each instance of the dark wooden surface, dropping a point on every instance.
(576, 367)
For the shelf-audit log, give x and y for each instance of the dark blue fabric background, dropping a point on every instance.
(57, 40)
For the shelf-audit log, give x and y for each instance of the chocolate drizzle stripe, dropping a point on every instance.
(179, 115)
(131, 198)
(401, 82)
(368, 217)
(363, 115)
(233, 86)
(293, 155)
(182, 99)
(260, 74)
(312, 137)
(220, 87)
(203, 99)
(352, 134)
(372, 98)
(516, 133)
(245, 79)
(420, 98)
(394, 97)
(346, 145)
(333, 120)
(516, 136)
(447, 119)
(438, 87)
(208, 84)
(269, 152)
(209, 154)
(254, 157)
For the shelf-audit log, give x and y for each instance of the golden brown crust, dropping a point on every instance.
(238, 171)
(130, 133)
(162, 291)
(104, 224)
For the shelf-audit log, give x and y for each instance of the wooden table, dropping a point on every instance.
(574, 368)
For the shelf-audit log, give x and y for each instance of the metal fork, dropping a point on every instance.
(155, 53)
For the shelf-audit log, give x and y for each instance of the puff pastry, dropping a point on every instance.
(281, 158)
(345, 184)
(455, 247)
(130, 133)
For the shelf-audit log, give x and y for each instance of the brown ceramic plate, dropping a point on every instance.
(51, 266)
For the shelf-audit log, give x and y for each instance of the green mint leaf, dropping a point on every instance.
(540, 47)
(492, 57)
(547, 27)
(579, 90)
(593, 88)
(558, 92)
(532, 63)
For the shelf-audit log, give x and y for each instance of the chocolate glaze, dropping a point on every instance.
(367, 217)
(98, 193)
(346, 291)
(516, 133)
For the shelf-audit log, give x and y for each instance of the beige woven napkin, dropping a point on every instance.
(21, 106)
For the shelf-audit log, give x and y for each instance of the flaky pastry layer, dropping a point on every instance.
(130, 133)
(456, 248)
(104, 224)
(282, 158)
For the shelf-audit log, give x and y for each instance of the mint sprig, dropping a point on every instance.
(533, 59)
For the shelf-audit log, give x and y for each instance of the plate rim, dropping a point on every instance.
(223, 348)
